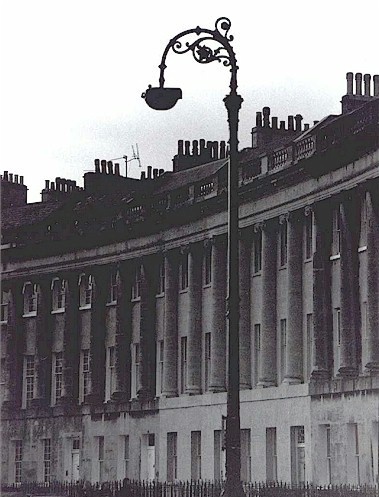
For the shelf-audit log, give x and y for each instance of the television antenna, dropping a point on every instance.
(135, 156)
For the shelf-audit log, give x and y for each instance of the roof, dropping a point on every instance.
(28, 214)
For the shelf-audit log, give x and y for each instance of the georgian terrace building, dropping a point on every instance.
(113, 327)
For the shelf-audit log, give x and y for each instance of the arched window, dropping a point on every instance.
(85, 291)
(59, 294)
(30, 298)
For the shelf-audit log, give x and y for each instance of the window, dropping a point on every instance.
(112, 298)
(85, 377)
(18, 454)
(363, 233)
(136, 286)
(183, 271)
(85, 290)
(125, 455)
(271, 455)
(183, 364)
(336, 238)
(328, 455)
(172, 456)
(257, 352)
(298, 454)
(283, 346)
(245, 456)
(207, 360)
(309, 236)
(160, 365)
(100, 457)
(30, 298)
(46, 445)
(219, 455)
(195, 455)
(161, 278)
(59, 294)
(364, 333)
(208, 265)
(355, 442)
(309, 345)
(283, 243)
(57, 376)
(136, 360)
(257, 251)
(4, 307)
(29, 377)
(111, 373)
(337, 335)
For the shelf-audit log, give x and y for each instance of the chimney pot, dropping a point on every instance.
(349, 80)
(202, 146)
(21, 180)
(187, 145)
(16, 178)
(315, 122)
(143, 175)
(11, 177)
(110, 167)
(222, 149)
(376, 85)
(258, 119)
(290, 123)
(117, 169)
(161, 171)
(306, 126)
(155, 173)
(274, 122)
(104, 166)
(298, 119)
(195, 147)
(97, 165)
(6, 175)
(367, 82)
(266, 117)
(180, 147)
(358, 83)
(149, 168)
(282, 125)
(47, 184)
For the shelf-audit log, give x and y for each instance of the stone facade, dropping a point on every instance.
(113, 327)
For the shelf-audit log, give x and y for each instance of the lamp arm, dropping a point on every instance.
(202, 49)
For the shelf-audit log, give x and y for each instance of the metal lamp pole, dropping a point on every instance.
(209, 46)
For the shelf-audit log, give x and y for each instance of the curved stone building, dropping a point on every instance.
(113, 327)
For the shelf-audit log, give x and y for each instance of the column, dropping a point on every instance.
(100, 281)
(218, 333)
(15, 346)
(349, 285)
(170, 334)
(147, 328)
(195, 316)
(123, 333)
(372, 202)
(322, 312)
(294, 348)
(245, 308)
(71, 342)
(268, 369)
(43, 343)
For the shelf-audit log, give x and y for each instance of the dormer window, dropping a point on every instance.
(59, 294)
(30, 298)
(85, 291)
(4, 307)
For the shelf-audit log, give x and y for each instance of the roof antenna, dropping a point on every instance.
(135, 156)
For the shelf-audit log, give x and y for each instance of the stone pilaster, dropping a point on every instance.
(349, 285)
(268, 369)
(71, 343)
(218, 333)
(170, 334)
(294, 348)
(245, 308)
(322, 309)
(15, 346)
(100, 283)
(147, 370)
(123, 333)
(43, 344)
(372, 200)
(195, 317)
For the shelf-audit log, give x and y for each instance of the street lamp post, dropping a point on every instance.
(209, 46)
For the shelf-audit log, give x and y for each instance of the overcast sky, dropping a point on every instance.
(73, 72)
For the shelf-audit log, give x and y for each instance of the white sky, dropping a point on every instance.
(73, 72)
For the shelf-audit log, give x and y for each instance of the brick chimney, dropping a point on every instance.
(13, 190)
(356, 97)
